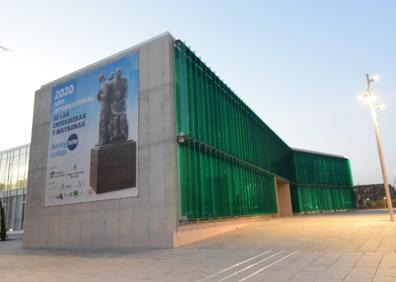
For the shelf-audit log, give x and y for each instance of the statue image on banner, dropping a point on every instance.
(93, 134)
(113, 124)
(113, 159)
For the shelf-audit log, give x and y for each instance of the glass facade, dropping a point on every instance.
(215, 185)
(322, 182)
(14, 166)
(316, 168)
(229, 159)
(209, 112)
(228, 155)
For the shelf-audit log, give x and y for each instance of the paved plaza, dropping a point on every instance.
(353, 246)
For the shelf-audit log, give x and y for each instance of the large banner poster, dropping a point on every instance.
(93, 135)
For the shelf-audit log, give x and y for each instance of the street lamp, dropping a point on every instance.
(370, 98)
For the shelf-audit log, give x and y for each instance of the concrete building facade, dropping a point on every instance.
(148, 220)
(164, 213)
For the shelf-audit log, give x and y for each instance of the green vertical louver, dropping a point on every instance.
(213, 184)
(228, 157)
(208, 111)
(322, 182)
(228, 152)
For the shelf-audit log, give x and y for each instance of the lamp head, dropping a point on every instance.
(380, 107)
(367, 98)
(373, 78)
(376, 78)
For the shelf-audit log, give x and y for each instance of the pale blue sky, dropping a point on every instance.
(298, 64)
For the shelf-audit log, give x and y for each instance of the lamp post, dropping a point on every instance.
(370, 98)
(394, 179)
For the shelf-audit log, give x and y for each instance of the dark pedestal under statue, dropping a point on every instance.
(113, 167)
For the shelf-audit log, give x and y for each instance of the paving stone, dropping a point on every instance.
(350, 246)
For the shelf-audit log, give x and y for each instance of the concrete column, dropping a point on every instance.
(284, 198)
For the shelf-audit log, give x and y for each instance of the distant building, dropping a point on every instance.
(372, 192)
(14, 166)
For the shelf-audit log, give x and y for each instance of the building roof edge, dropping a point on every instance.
(104, 60)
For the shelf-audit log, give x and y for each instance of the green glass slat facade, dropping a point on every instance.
(208, 111)
(322, 182)
(311, 168)
(215, 185)
(230, 158)
(320, 198)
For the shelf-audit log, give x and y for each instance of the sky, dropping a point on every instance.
(300, 65)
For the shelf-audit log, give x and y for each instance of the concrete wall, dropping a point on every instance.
(148, 220)
(284, 198)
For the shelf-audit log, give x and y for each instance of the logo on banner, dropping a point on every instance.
(72, 142)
